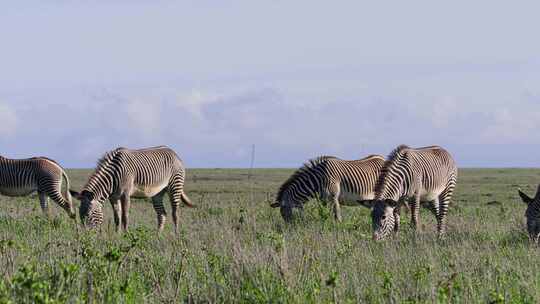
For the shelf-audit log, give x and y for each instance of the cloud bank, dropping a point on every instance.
(8, 120)
(215, 126)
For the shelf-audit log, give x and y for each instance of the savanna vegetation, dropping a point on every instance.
(234, 248)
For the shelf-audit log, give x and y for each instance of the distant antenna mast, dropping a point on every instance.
(252, 161)
(251, 172)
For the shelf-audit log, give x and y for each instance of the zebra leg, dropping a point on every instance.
(397, 219)
(334, 196)
(43, 202)
(175, 187)
(437, 210)
(435, 207)
(157, 202)
(337, 210)
(52, 189)
(117, 211)
(415, 211)
(125, 200)
(174, 211)
(444, 202)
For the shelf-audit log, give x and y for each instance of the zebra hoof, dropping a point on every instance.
(441, 236)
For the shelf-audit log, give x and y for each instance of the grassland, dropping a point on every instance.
(234, 248)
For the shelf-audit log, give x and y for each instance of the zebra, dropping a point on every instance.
(427, 174)
(20, 177)
(123, 173)
(348, 182)
(532, 214)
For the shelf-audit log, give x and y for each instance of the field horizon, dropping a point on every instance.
(294, 168)
(234, 248)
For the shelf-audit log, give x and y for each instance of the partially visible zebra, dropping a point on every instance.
(426, 174)
(348, 182)
(123, 173)
(532, 214)
(20, 177)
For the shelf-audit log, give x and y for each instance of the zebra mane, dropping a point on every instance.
(308, 166)
(372, 156)
(97, 176)
(391, 160)
(107, 158)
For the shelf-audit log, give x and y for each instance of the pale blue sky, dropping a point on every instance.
(295, 78)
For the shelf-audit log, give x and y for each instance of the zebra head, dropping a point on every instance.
(532, 214)
(383, 219)
(91, 209)
(285, 209)
(291, 195)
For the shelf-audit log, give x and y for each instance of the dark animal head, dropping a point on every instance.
(532, 214)
(383, 219)
(91, 210)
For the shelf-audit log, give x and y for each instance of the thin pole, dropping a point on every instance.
(251, 172)
(252, 161)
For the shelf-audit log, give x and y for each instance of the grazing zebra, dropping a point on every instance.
(415, 175)
(350, 182)
(20, 177)
(124, 173)
(532, 214)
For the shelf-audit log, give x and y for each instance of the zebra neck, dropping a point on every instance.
(534, 208)
(393, 194)
(304, 188)
(103, 183)
(297, 198)
(398, 183)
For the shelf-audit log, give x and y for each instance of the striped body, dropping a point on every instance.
(331, 179)
(21, 177)
(124, 173)
(415, 175)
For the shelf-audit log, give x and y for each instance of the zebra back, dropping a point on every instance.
(146, 166)
(27, 172)
(432, 166)
(306, 172)
(42, 174)
(314, 178)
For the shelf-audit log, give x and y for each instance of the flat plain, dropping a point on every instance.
(234, 248)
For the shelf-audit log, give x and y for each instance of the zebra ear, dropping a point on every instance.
(537, 192)
(524, 197)
(392, 203)
(367, 203)
(275, 205)
(75, 194)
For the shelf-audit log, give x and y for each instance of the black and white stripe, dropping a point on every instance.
(348, 182)
(124, 173)
(426, 174)
(532, 214)
(20, 177)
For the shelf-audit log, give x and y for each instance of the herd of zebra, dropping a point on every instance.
(408, 177)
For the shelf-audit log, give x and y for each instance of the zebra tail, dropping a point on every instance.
(185, 199)
(66, 193)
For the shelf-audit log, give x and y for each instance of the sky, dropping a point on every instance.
(297, 79)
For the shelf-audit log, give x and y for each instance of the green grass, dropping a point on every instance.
(234, 248)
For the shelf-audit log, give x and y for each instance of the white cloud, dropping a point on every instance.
(513, 125)
(8, 120)
(144, 117)
(194, 100)
(442, 111)
(215, 124)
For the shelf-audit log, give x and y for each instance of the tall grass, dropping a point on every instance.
(237, 250)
